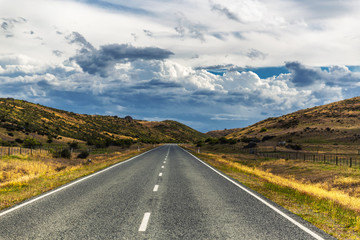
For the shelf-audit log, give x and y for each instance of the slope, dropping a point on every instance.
(334, 123)
(19, 119)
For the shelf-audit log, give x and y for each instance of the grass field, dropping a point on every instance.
(325, 195)
(23, 176)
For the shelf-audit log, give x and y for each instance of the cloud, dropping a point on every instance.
(57, 53)
(221, 68)
(256, 54)
(139, 86)
(148, 33)
(224, 11)
(8, 24)
(117, 7)
(103, 60)
(302, 76)
(77, 38)
(186, 28)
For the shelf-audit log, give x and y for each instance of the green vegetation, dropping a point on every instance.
(32, 125)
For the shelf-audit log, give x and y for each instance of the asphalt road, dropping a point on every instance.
(163, 194)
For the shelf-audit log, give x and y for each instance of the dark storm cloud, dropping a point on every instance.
(103, 60)
(302, 76)
(224, 11)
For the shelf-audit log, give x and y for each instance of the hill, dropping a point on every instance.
(20, 120)
(333, 124)
(221, 133)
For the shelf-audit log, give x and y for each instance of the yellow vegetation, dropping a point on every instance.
(20, 170)
(316, 190)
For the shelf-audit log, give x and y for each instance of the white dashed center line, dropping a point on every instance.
(156, 188)
(162, 166)
(144, 222)
(160, 174)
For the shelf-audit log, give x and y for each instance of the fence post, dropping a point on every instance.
(324, 158)
(9, 151)
(351, 162)
(336, 160)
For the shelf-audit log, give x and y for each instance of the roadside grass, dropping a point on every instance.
(330, 203)
(23, 176)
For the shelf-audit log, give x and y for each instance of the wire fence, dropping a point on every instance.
(350, 160)
(8, 151)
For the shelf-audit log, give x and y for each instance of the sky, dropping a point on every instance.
(210, 64)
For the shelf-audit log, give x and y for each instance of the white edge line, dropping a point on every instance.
(144, 222)
(307, 230)
(156, 188)
(69, 185)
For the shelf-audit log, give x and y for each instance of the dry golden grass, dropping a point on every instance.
(22, 177)
(325, 195)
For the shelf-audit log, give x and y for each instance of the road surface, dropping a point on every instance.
(165, 193)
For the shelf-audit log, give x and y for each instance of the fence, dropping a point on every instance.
(339, 159)
(7, 151)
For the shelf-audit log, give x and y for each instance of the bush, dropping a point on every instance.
(267, 137)
(264, 129)
(65, 153)
(251, 145)
(83, 154)
(294, 146)
(31, 142)
(74, 145)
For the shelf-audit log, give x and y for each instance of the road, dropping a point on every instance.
(165, 193)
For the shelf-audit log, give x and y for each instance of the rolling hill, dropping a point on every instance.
(21, 119)
(334, 123)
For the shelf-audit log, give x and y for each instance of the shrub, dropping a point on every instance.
(31, 142)
(74, 145)
(84, 154)
(267, 137)
(251, 145)
(264, 129)
(64, 153)
(294, 146)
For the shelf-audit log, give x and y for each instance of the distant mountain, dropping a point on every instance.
(20, 119)
(333, 123)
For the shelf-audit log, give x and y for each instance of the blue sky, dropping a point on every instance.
(209, 64)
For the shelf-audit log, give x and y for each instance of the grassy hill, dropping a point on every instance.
(20, 120)
(332, 124)
(221, 133)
